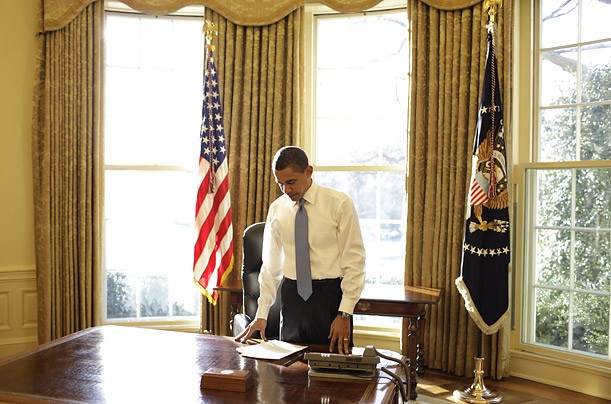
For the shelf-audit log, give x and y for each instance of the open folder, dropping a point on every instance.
(272, 349)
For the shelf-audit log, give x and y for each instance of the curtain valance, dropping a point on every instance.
(58, 13)
(450, 4)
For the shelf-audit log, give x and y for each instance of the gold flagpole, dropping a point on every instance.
(478, 392)
(209, 315)
(209, 29)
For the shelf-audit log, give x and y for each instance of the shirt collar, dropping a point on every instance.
(309, 196)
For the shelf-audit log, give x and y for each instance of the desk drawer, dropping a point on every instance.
(385, 308)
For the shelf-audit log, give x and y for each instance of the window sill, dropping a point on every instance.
(167, 326)
(584, 378)
(381, 338)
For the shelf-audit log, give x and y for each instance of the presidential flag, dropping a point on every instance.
(214, 245)
(484, 283)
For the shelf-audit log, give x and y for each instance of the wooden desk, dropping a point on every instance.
(382, 300)
(134, 365)
(402, 301)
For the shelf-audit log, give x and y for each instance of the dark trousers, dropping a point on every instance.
(309, 321)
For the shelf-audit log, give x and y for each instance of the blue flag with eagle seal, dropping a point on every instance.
(484, 279)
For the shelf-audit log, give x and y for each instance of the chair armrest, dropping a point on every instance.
(240, 322)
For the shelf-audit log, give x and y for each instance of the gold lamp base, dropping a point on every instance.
(478, 392)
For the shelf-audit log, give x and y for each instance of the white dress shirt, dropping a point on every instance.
(336, 245)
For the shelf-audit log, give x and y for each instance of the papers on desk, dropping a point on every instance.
(273, 349)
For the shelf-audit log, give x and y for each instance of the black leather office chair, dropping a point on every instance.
(252, 245)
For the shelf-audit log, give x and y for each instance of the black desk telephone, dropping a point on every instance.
(353, 366)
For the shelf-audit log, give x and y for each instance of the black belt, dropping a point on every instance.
(317, 281)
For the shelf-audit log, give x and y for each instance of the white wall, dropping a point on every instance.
(18, 329)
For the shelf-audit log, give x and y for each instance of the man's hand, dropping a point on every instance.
(256, 325)
(340, 335)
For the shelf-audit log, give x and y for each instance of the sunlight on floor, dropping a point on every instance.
(432, 389)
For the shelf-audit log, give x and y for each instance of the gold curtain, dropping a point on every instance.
(260, 76)
(66, 159)
(449, 51)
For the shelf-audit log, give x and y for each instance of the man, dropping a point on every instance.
(336, 255)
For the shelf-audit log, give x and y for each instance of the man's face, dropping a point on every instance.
(293, 183)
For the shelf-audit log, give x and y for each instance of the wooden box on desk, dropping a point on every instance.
(226, 379)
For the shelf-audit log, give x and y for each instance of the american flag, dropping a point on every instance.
(214, 245)
(483, 282)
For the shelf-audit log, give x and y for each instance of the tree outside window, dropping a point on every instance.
(568, 194)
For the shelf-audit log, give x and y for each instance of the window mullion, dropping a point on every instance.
(572, 261)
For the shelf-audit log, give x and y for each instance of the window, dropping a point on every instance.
(567, 189)
(153, 85)
(359, 129)
(359, 138)
(152, 116)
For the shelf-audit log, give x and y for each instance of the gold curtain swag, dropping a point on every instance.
(58, 13)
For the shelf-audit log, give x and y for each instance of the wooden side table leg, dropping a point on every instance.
(233, 310)
(413, 364)
(420, 349)
(233, 305)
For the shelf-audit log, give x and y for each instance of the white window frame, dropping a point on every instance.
(383, 334)
(543, 361)
(167, 323)
(527, 222)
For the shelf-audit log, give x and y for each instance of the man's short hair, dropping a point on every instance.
(290, 156)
